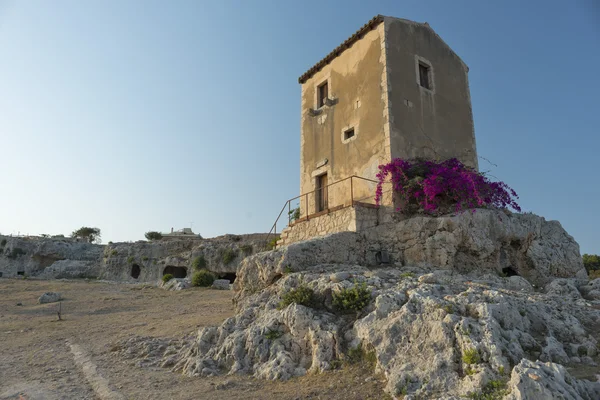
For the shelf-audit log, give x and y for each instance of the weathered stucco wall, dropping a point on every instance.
(355, 82)
(435, 123)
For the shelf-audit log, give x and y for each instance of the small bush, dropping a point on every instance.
(302, 295)
(130, 259)
(405, 275)
(493, 390)
(199, 262)
(247, 249)
(288, 270)
(359, 354)
(470, 371)
(448, 308)
(114, 252)
(594, 274)
(591, 262)
(16, 252)
(582, 351)
(228, 255)
(153, 235)
(3, 243)
(471, 356)
(144, 258)
(501, 370)
(273, 334)
(167, 277)
(271, 244)
(352, 299)
(203, 278)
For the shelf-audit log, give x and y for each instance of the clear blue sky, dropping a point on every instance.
(145, 115)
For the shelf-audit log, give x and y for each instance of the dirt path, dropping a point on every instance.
(38, 360)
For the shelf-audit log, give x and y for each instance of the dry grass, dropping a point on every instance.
(35, 360)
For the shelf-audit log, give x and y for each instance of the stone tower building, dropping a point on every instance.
(393, 89)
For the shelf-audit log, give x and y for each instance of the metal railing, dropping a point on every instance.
(324, 200)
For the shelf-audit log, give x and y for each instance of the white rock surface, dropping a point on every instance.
(221, 284)
(418, 328)
(49, 297)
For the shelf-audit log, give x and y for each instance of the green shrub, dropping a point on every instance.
(144, 258)
(114, 252)
(582, 351)
(130, 259)
(352, 299)
(153, 235)
(203, 278)
(591, 262)
(247, 249)
(273, 334)
(16, 252)
(594, 274)
(3, 243)
(167, 277)
(359, 354)
(228, 255)
(448, 308)
(493, 390)
(471, 356)
(199, 262)
(302, 295)
(271, 244)
(406, 275)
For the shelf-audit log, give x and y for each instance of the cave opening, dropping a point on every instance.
(230, 276)
(135, 271)
(177, 272)
(509, 271)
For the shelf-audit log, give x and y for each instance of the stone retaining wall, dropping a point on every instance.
(347, 219)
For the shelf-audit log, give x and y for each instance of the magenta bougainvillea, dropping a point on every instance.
(438, 187)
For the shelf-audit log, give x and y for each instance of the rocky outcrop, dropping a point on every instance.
(51, 258)
(433, 335)
(485, 241)
(486, 305)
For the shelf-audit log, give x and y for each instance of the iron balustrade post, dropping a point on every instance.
(352, 191)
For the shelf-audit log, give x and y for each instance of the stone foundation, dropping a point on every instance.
(347, 219)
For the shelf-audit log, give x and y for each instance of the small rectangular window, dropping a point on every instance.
(348, 133)
(425, 75)
(323, 92)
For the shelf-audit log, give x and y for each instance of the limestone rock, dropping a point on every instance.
(49, 297)
(177, 284)
(537, 380)
(221, 284)
(418, 331)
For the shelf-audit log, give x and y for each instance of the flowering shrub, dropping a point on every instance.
(430, 187)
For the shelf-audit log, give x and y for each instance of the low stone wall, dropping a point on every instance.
(347, 219)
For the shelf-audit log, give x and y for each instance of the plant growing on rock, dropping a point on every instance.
(16, 252)
(471, 356)
(302, 295)
(153, 235)
(3, 243)
(203, 278)
(591, 262)
(271, 244)
(130, 259)
(91, 235)
(167, 277)
(228, 255)
(247, 249)
(354, 298)
(199, 262)
(437, 187)
(273, 334)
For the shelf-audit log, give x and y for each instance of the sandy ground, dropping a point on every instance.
(43, 358)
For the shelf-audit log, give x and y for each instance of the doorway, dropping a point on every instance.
(321, 201)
